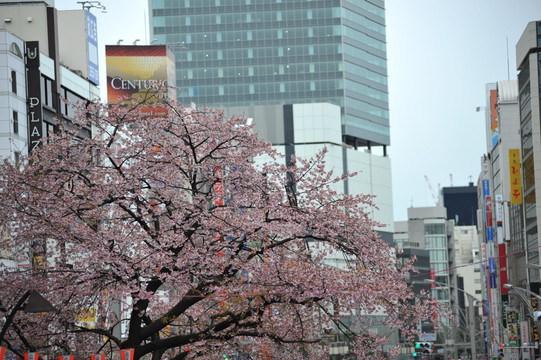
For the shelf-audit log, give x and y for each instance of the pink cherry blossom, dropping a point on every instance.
(168, 234)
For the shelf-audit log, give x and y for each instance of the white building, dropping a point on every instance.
(33, 80)
(304, 129)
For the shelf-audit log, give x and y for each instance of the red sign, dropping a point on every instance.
(503, 268)
(488, 209)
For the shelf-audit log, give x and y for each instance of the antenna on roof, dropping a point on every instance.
(507, 46)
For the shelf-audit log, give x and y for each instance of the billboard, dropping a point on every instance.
(92, 48)
(140, 73)
(514, 176)
(494, 121)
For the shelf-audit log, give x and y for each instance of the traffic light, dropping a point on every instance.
(500, 352)
(423, 348)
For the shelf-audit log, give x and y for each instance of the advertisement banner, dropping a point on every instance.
(534, 287)
(514, 176)
(499, 218)
(488, 210)
(92, 48)
(494, 117)
(502, 254)
(140, 74)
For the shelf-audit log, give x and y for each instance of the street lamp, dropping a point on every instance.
(87, 5)
(471, 315)
(520, 292)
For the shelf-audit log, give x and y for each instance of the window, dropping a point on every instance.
(15, 50)
(15, 122)
(17, 158)
(431, 229)
(13, 82)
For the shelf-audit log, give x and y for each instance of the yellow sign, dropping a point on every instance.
(87, 315)
(514, 176)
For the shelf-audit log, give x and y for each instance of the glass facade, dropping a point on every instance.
(436, 244)
(253, 52)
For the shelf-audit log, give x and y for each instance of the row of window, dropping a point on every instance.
(436, 242)
(232, 57)
(259, 74)
(47, 97)
(297, 89)
(366, 125)
(295, 35)
(431, 229)
(211, 4)
(357, 18)
(364, 39)
(355, 52)
(371, 109)
(366, 90)
(159, 4)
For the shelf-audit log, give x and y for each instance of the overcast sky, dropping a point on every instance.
(441, 54)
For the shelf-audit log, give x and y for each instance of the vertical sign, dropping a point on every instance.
(534, 287)
(502, 254)
(494, 126)
(34, 108)
(514, 176)
(92, 48)
(499, 218)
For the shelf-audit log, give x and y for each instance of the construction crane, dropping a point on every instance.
(434, 196)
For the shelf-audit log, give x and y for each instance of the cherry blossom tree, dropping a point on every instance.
(184, 236)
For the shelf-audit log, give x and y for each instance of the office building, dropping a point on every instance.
(528, 53)
(461, 204)
(304, 129)
(428, 229)
(246, 52)
(500, 216)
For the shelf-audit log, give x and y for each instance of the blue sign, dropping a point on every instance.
(493, 281)
(486, 189)
(92, 48)
(490, 234)
(491, 266)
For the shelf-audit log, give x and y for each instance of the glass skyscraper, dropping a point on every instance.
(253, 52)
